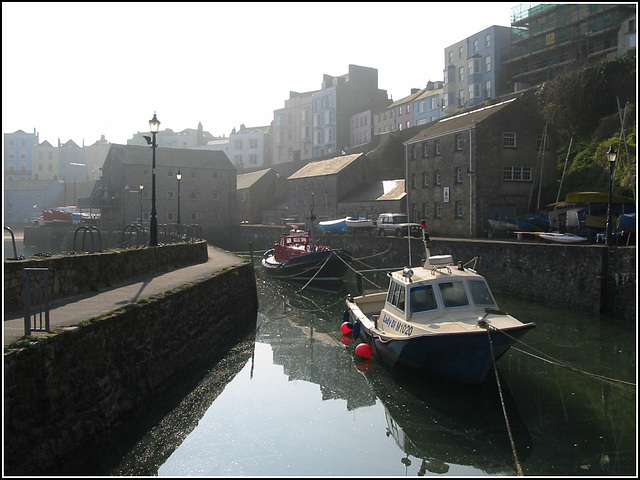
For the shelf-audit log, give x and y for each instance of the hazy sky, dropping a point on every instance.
(81, 70)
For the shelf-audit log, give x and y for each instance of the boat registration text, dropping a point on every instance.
(397, 325)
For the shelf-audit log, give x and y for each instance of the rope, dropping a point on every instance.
(504, 409)
(608, 380)
(316, 274)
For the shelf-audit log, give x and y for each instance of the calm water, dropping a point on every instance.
(296, 401)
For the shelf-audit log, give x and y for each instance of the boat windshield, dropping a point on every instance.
(453, 294)
(395, 295)
(480, 293)
(422, 299)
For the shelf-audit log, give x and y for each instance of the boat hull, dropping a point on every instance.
(334, 226)
(465, 356)
(324, 270)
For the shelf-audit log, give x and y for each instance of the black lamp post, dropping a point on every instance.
(179, 177)
(611, 156)
(154, 125)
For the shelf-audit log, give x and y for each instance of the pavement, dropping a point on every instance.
(72, 311)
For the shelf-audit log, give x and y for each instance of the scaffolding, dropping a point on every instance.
(546, 37)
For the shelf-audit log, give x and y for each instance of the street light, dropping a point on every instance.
(141, 187)
(611, 156)
(179, 177)
(154, 125)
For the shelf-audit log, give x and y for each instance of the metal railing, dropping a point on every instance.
(35, 299)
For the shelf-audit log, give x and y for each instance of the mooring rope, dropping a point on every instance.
(316, 274)
(621, 384)
(504, 409)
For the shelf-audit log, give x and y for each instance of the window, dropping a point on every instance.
(450, 55)
(414, 152)
(517, 173)
(169, 194)
(475, 46)
(238, 144)
(453, 294)
(459, 209)
(461, 98)
(480, 293)
(539, 141)
(487, 63)
(461, 74)
(414, 183)
(396, 296)
(438, 178)
(425, 210)
(460, 51)
(436, 145)
(487, 89)
(425, 149)
(438, 212)
(487, 41)
(470, 64)
(253, 143)
(425, 179)
(422, 299)
(459, 175)
(509, 139)
(458, 142)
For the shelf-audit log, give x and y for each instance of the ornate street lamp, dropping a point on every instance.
(154, 125)
(611, 156)
(179, 177)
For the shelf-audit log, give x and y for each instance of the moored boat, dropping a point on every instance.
(562, 237)
(438, 317)
(334, 226)
(296, 258)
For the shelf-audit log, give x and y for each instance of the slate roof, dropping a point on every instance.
(459, 122)
(137, 154)
(376, 191)
(246, 180)
(330, 166)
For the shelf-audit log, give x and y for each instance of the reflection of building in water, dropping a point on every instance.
(315, 356)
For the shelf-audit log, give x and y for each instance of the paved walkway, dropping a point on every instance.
(72, 311)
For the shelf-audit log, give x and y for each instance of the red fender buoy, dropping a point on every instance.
(364, 350)
(346, 328)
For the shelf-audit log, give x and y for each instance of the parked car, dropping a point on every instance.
(397, 224)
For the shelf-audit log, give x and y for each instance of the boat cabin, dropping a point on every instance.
(437, 290)
(292, 245)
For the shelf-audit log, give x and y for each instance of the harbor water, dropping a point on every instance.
(295, 400)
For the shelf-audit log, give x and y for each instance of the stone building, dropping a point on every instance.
(207, 188)
(479, 165)
(255, 190)
(317, 188)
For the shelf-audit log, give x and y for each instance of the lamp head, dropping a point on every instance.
(154, 123)
(611, 155)
(179, 175)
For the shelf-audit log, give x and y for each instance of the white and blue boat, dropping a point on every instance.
(437, 317)
(334, 226)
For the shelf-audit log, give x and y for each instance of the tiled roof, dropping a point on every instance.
(330, 166)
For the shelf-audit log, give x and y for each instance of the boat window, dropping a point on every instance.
(480, 293)
(396, 295)
(453, 294)
(422, 299)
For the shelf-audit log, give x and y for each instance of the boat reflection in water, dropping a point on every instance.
(443, 423)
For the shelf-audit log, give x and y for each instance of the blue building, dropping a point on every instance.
(473, 67)
(18, 154)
